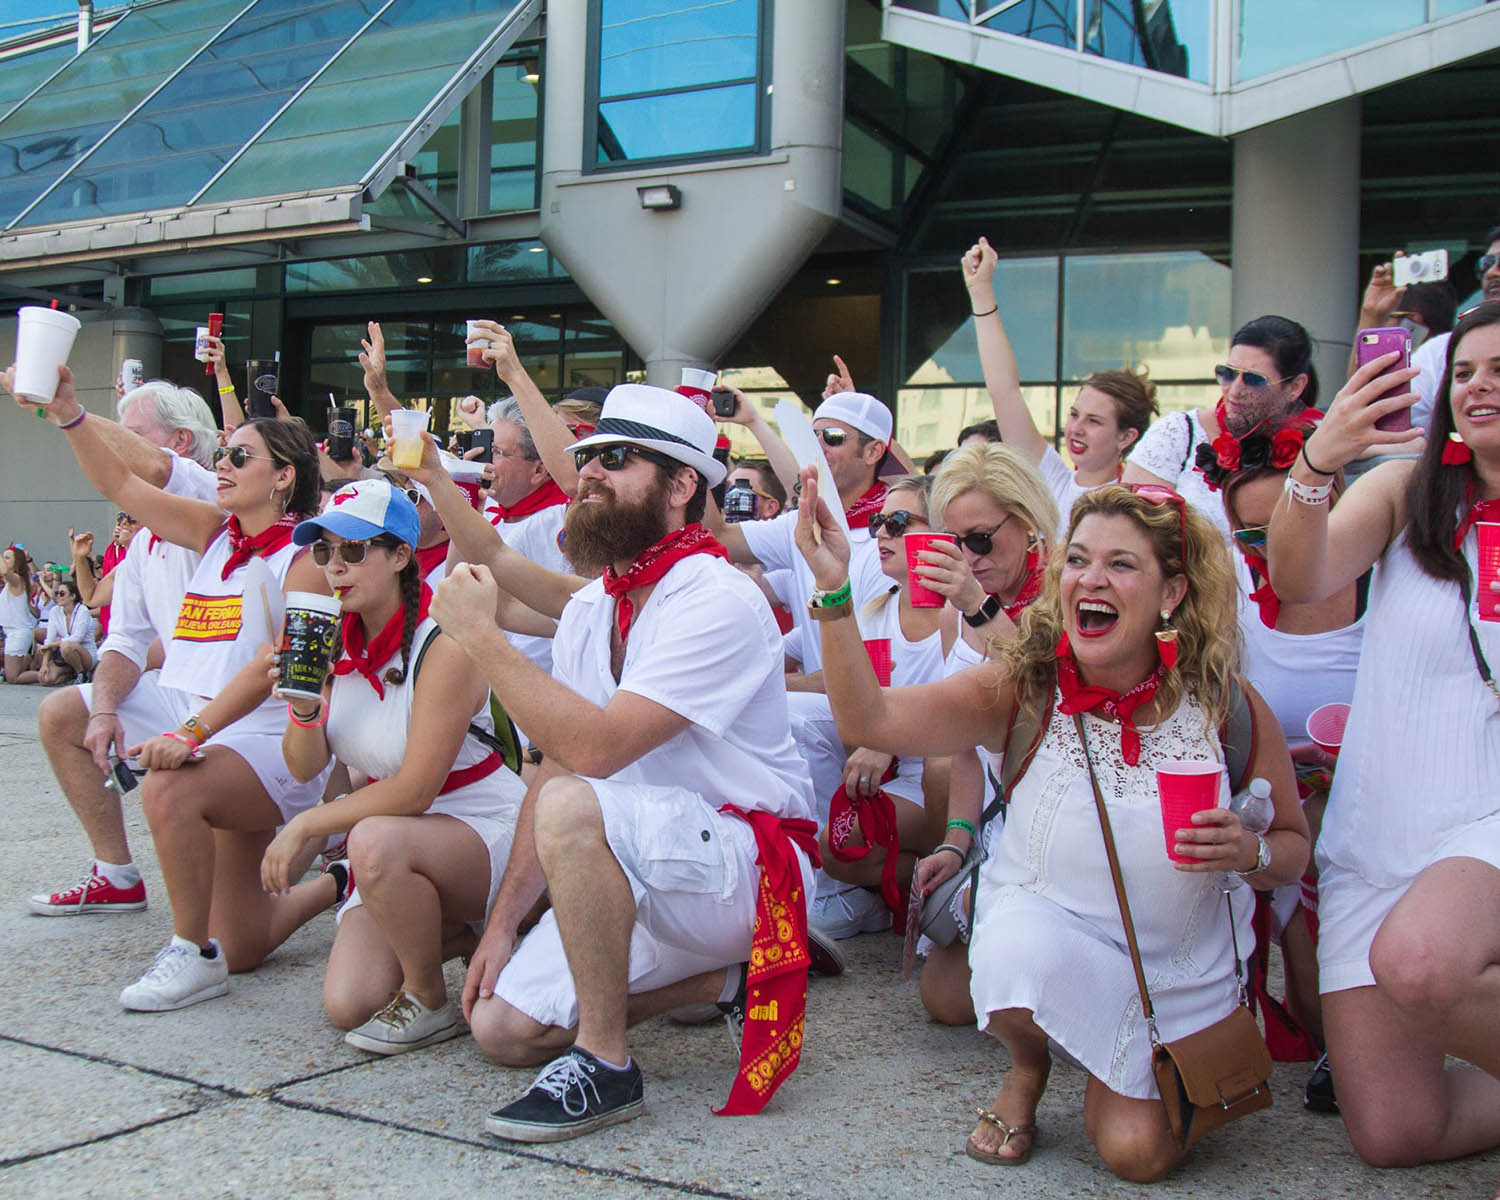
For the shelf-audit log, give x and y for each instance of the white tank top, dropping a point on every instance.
(1296, 673)
(15, 611)
(1421, 755)
(209, 643)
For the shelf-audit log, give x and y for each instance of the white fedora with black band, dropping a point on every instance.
(636, 414)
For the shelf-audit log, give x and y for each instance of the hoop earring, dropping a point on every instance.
(1166, 641)
(1456, 451)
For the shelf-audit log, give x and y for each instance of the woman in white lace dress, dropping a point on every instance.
(1048, 951)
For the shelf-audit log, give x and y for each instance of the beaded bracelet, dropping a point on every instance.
(301, 724)
(960, 823)
(1306, 494)
(76, 421)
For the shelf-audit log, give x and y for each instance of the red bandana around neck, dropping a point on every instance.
(1479, 510)
(548, 495)
(858, 513)
(1080, 698)
(243, 547)
(1031, 586)
(1264, 596)
(384, 646)
(430, 559)
(653, 564)
(776, 976)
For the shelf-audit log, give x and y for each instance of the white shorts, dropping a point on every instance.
(149, 709)
(18, 642)
(694, 875)
(1351, 909)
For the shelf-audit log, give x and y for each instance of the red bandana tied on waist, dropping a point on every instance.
(1031, 587)
(549, 495)
(653, 564)
(430, 559)
(859, 512)
(383, 647)
(776, 978)
(876, 818)
(243, 547)
(1079, 698)
(1264, 596)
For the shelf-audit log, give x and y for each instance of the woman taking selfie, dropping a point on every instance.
(430, 833)
(1046, 953)
(1409, 857)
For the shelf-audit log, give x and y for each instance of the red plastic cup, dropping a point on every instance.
(1326, 727)
(1185, 787)
(1489, 569)
(921, 595)
(879, 650)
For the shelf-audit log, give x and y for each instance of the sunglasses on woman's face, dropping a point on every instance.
(894, 523)
(833, 437)
(612, 458)
(1226, 375)
(238, 456)
(1252, 538)
(350, 553)
(979, 543)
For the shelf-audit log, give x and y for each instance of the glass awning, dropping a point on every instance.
(186, 106)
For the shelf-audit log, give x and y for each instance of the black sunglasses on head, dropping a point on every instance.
(612, 458)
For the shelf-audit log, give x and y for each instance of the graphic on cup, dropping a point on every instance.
(879, 650)
(407, 427)
(475, 355)
(261, 374)
(696, 386)
(341, 434)
(200, 344)
(132, 374)
(922, 596)
(307, 643)
(1489, 569)
(1326, 727)
(44, 339)
(1185, 787)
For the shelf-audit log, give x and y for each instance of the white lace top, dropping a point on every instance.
(1169, 450)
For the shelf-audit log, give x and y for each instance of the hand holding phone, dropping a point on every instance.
(1369, 345)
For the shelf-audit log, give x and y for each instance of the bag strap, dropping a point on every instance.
(1238, 736)
(1480, 662)
(1188, 453)
(505, 741)
(1125, 918)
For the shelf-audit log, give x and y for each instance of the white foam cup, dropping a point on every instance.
(44, 339)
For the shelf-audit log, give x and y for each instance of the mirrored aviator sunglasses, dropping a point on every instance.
(1252, 539)
(1226, 375)
(238, 456)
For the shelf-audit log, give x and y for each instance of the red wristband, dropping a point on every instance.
(301, 724)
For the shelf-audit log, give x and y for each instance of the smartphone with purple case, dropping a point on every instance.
(1370, 344)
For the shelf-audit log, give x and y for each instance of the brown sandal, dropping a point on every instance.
(1009, 1131)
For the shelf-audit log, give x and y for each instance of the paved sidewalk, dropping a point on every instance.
(256, 1095)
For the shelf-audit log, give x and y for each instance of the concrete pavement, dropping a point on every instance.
(256, 1094)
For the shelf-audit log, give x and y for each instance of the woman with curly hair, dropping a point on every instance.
(1409, 856)
(1047, 953)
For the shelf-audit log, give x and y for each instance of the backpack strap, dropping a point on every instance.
(1188, 453)
(505, 741)
(1238, 736)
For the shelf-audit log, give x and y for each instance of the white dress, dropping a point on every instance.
(1048, 935)
(369, 735)
(1169, 450)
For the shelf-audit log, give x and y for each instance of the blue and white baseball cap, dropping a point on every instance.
(361, 510)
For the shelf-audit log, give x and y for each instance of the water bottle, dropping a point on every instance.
(1253, 806)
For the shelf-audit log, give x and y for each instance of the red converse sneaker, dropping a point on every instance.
(94, 895)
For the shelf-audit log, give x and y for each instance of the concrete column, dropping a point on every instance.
(681, 286)
(1296, 229)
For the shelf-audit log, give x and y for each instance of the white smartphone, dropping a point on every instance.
(1428, 267)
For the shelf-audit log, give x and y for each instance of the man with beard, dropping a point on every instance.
(669, 824)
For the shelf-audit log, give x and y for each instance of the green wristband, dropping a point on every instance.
(960, 823)
(844, 595)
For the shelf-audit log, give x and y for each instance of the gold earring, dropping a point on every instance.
(1166, 640)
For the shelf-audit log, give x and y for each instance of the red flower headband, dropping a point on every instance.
(1254, 448)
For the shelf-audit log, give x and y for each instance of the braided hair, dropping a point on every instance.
(410, 582)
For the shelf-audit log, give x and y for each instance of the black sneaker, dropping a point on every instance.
(571, 1096)
(734, 1010)
(1318, 1095)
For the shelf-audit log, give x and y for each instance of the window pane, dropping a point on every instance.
(1168, 312)
(869, 168)
(1275, 34)
(1110, 30)
(25, 71)
(929, 419)
(683, 124)
(940, 343)
(653, 45)
(512, 262)
(1049, 21)
(513, 135)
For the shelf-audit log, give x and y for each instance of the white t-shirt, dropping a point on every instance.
(705, 645)
(1169, 449)
(80, 629)
(774, 546)
(536, 536)
(1063, 482)
(1429, 358)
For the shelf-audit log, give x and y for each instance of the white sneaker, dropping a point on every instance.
(405, 1024)
(843, 914)
(180, 976)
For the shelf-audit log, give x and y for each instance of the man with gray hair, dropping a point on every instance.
(166, 434)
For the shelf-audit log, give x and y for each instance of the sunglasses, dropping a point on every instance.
(833, 437)
(981, 543)
(126, 519)
(1485, 264)
(1154, 493)
(612, 458)
(1226, 375)
(350, 553)
(895, 523)
(238, 456)
(1252, 538)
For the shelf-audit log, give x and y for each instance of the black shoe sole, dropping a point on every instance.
(530, 1131)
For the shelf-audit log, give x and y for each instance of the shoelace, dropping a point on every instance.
(81, 888)
(165, 966)
(400, 1012)
(562, 1076)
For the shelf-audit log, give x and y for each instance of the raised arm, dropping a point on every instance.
(372, 360)
(1002, 378)
(182, 521)
(1312, 552)
(231, 413)
(778, 453)
(545, 424)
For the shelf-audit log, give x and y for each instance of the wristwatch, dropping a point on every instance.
(197, 730)
(984, 614)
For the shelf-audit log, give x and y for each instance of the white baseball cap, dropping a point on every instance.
(860, 411)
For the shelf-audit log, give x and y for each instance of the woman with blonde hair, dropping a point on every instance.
(1101, 694)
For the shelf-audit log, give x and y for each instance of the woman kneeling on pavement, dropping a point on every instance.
(430, 833)
(1047, 953)
(1409, 855)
